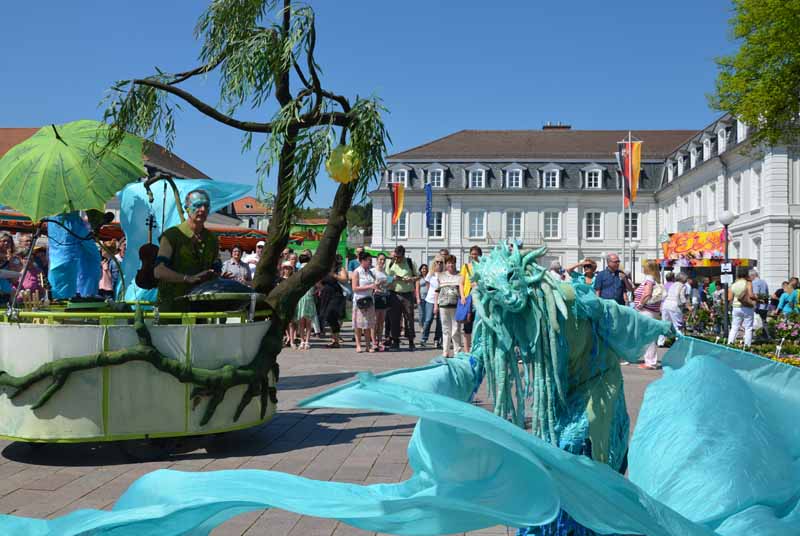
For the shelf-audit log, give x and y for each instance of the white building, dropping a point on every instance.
(560, 187)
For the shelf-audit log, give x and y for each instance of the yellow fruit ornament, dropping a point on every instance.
(342, 164)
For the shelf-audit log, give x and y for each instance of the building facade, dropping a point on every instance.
(560, 187)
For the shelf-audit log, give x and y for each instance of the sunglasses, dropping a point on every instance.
(259, 247)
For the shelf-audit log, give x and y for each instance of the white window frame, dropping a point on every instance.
(681, 165)
(473, 175)
(756, 243)
(440, 174)
(469, 224)
(722, 140)
(693, 157)
(670, 171)
(557, 235)
(737, 194)
(706, 147)
(401, 225)
(554, 174)
(711, 202)
(636, 217)
(513, 174)
(594, 175)
(521, 223)
(741, 131)
(757, 185)
(599, 225)
(398, 176)
(433, 231)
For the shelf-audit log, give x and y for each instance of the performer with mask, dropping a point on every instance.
(187, 254)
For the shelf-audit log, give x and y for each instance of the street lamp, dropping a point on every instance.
(634, 247)
(726, 218)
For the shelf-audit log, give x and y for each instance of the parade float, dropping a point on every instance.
(84, 369)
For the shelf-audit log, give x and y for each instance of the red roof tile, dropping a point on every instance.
(250, 206)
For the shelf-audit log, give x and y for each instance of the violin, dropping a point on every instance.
(145, 278)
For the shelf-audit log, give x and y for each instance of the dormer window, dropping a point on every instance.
(551, 177)
(722, 139)
(693, 157)
(680, 165)
(670, 171)
(248, 205)
(514, 178)
(706, 148)
(741, 131)
(399, 176)
(436, 178)
(593, 177)
(477, 178)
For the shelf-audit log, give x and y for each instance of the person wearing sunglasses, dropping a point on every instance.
(188, 254)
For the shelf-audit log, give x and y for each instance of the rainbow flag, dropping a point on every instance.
(398, 195)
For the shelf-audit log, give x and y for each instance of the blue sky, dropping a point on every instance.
(439, 66)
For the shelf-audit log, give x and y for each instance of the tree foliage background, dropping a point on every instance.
(760, 84)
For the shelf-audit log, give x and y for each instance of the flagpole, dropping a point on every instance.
(630, 200)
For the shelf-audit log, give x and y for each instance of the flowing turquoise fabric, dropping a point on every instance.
(715, 452)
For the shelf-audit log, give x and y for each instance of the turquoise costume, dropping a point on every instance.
(709, 458)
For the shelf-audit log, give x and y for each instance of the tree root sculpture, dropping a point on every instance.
(212, 383)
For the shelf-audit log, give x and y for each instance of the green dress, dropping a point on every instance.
(188, 257)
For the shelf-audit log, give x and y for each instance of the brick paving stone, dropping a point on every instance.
(343, 445)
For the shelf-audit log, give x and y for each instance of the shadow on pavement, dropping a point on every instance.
(286, 432)
(290, 383)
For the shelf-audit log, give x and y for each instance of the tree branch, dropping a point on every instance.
(182, 77)
(305, 121)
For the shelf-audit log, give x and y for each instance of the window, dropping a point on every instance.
(737, 195)
(741, 131)
(400, 229)
(756, 186)
(436, 178)
(437, 225)
(680, 165)
(712, 203)
(477, 224)
(722, 139)
(514, 178)
(698, 203)
(248, 205)
(399, 176)
(477, 178)
(757, 249)
(693, 157)
(706, 149)
(552, 225)
(632, 225)
(670, 171)
(550, 179)
(593, 179)
(593, 225)
(514, 224)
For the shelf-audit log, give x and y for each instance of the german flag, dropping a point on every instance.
(398, 195)
(629, 160)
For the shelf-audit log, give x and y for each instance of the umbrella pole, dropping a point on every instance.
(12, 309)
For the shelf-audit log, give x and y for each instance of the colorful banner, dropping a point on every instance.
(696, 245)
(428, 206)
(398, 195)
(629, 161)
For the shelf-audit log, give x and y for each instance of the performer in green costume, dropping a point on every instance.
(186, 253)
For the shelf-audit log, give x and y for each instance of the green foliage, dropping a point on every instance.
(361, 216)
(141, 110)
(760, 84)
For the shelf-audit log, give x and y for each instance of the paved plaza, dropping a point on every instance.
(344, 446)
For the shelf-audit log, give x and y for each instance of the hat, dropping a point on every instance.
(261, 243)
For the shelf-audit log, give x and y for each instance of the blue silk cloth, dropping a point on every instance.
(715, 452)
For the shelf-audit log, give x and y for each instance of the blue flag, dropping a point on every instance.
(428, 206)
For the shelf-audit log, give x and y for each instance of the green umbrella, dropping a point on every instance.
(61, 169)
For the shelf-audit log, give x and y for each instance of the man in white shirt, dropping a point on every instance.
(251, 259)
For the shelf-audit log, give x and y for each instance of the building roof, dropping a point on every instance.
(154, 154)
(312, 221)
(250, 206)
(548, 144)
